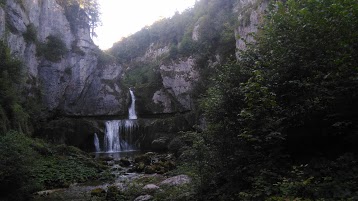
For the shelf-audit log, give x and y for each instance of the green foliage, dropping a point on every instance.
(289, 97)
(142, 74)
(134, 46)
(104, 58)
(54, 49)
(30, 165)
(16, 157)
(12, 113)
(216, 34)
(82, 14)
(30, 35)
(187, 46)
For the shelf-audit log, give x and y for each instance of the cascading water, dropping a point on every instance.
(119, 133)
(111, 139)
(131, 110)
(96, 143)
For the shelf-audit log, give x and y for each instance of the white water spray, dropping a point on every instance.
(131, 110)
(119, 133)
(96, 143)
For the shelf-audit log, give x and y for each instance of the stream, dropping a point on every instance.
(82, 192)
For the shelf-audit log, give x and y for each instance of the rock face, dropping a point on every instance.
(179, 79)
(80, 85)
(77, 84)
(250, 13)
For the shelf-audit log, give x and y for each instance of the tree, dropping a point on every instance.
(291, 96)
(82, 13)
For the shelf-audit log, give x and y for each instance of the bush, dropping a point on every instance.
(29, 165)
(53, 50)
(290, 97)
(12, 112)
(16, 158)
(31, 34)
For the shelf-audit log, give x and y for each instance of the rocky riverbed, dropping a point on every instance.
(130, 176)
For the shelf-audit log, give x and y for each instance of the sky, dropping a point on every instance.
(121, 18)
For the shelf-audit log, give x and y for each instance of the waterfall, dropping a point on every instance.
(111, 139)
(132, 114)
(119, 133)
(96, 143)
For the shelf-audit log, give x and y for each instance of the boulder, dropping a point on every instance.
(143, 198)
(124, 162)
(160, 144)
(177, 180)
(150, 187)
(98, 192)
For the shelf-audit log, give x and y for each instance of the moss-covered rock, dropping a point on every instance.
(98, 192)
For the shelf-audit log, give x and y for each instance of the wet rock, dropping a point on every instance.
(106, 158)
(149, 169)
(124, 162)
(150, 187)
(139, 167)
(145, 159)
(113, 193)
(46, 193)
(143, 198)
(160, 144)
(98, 192)
(177, 180)
(110, 163)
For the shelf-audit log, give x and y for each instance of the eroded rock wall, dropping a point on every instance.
(76, 85)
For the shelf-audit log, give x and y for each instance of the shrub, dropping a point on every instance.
(31, 34)
(53, 50)
(29, 165)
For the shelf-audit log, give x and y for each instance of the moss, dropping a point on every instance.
(98, 192)
(113, 194)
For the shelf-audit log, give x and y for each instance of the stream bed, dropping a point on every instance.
(79, 192)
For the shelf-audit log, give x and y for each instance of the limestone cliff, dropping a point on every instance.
(250, 14)
(79, 84)
(190, 47)
(76, 84)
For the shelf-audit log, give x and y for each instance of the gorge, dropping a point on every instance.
(228, 100)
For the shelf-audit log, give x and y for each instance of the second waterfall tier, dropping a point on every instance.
(119, 135)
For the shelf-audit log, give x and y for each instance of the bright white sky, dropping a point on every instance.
(121, 18)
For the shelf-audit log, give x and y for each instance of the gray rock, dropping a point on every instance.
(160, 144)
(179, 79)
(76, 85)
(177, 180)
(150, 187)
(143, 198)
(2, 22)
(249, 18)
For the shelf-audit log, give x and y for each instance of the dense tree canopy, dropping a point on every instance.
(290, 99)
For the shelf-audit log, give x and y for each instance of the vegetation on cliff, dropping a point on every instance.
(82, 13)
(213, 22)
(12, 112)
